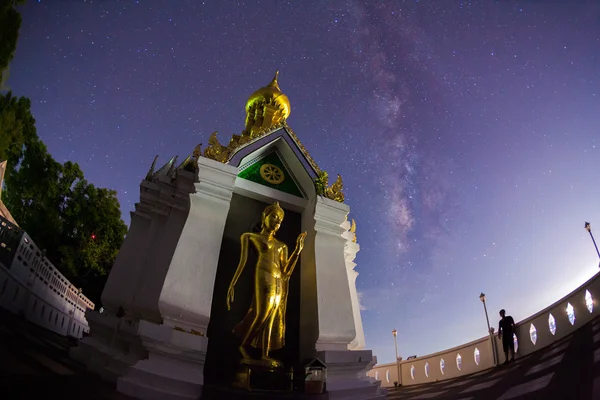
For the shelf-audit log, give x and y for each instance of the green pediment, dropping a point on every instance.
(272, 172)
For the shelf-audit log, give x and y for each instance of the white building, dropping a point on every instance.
(161, 335)
(32, 287)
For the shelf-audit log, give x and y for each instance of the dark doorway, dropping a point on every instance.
(222, 357)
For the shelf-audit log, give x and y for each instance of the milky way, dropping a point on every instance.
(466, 132)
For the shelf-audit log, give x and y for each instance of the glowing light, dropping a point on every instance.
(571, 313)
(552, 324)
(533, 334)
(589, 302)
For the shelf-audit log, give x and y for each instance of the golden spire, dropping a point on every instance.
(266, 107)
(274, 84)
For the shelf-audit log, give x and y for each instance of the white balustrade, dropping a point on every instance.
(32, 287)
(532, 334)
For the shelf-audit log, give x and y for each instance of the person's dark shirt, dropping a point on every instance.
(505, 328)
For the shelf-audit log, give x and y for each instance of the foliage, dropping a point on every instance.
(16, 125)
(10, 22)
(321, 183)
(78, 225)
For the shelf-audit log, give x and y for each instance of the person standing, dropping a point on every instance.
(506, 329)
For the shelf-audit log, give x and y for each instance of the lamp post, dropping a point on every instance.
(588, 227)
(487, 319)
(395, 333)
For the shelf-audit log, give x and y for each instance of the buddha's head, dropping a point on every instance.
(272, 217)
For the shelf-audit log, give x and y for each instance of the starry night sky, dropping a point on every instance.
(466, 132)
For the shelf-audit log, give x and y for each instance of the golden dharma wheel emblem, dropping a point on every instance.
(272, 174)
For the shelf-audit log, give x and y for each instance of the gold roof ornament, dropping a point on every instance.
(267, 110)
(353, 230)
(266, 107)
(215, 150)
(272, 95)
(196, 154)
(303, 150)
(333, 192)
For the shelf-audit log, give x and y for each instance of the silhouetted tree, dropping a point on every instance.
(78, 224)
(10, 23)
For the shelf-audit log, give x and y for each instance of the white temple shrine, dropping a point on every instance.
(166, 332)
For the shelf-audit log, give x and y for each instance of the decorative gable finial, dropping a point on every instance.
(215, 150)
(172, 166)
(334, 192)
(151, 171)
(196, 154)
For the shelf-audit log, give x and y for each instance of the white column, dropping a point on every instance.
(174, 368)
(159, 264)
(186, 297)
(346, 369)
(127, 268)
(358, 343)
(144, 304)
(335, 314)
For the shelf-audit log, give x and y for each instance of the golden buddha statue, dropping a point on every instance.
(263, 327)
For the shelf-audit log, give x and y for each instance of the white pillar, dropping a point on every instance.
(335, 314)
(159, 257)
(346, 369)
(126, 271)
(358, 343)
(174, 368)
(186, 296)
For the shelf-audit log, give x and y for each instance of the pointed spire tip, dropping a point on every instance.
(274, 83)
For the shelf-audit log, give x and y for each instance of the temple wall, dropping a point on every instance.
(532, 334)
(32, 287)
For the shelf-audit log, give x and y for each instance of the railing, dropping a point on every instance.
(532, 334)
(31, 286)
(10, 236)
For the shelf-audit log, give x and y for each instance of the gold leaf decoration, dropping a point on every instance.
(333, 192)
(215, 150)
